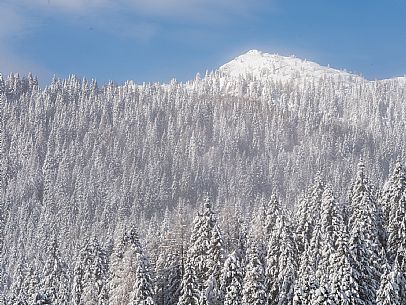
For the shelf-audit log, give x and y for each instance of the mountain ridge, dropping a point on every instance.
(263, 65)
(284, 68)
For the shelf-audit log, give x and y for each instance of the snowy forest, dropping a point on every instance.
(220, 190)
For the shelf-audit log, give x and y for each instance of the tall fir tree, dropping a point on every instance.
(396, 243)
(322, 245)
(231, 282)
(55, 276)
(123, 267)
(190, 293)
(272, 212)
(206, 245)
(392, 290)
(91, 276)
(168, 277)
(254, 287)
(365, 244)
(344, 278)
(281, 262)
(392, 192)
(143, 291)
(306, 282)
(307, 214)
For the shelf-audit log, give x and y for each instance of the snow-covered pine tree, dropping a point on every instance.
(322, 245)
(91, 275)
(272, 212)
(254, 287)
(318, 253)
(344, 279)
(123, 267)
(206, 246)
(396, 224)
(18, 290)
(143, 291)
(190, 293)
(257, 233)
(307, 214)
(392, 192)
(215, 253)
(392, 290)
(231, 281)
(211, 294)
(364, 242)
(55, 277)
(401, 255)
(197, 250)
(306, 282)
(168, 277)
(31, 284)
(281, 262)
(331, 217)
(169, 265)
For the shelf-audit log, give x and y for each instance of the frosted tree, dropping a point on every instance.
(392, 193)
(31, 285)
(323, 244)
(344, 278)
(19, 287)
(307, 214)
(123, 267)
(190, 293)
(43, 298)
(143, 290)
(91, 275)
(331, 217)
(215, 253)
(257, 230)
(393, 202)
(273, 210)
(231, 281)
(206, 246)
(211, 294)
(396, 243)
(401, 255)
(392, 290)
(281, 262)
(168, 277)
(364, 240)
(254, 287)
(55, 277)
(306, 282)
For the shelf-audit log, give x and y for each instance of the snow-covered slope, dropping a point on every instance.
(401, 80)
(270, 66)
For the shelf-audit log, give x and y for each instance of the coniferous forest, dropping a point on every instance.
(220, 190)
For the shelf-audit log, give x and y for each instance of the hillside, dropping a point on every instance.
(173, 180)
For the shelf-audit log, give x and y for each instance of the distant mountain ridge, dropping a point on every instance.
(262, 65)
(284, 68)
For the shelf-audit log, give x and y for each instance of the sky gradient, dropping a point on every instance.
(156, 40)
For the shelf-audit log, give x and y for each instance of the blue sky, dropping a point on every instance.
(156, 40)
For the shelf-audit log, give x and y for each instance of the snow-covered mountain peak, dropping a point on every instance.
(272, 66)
